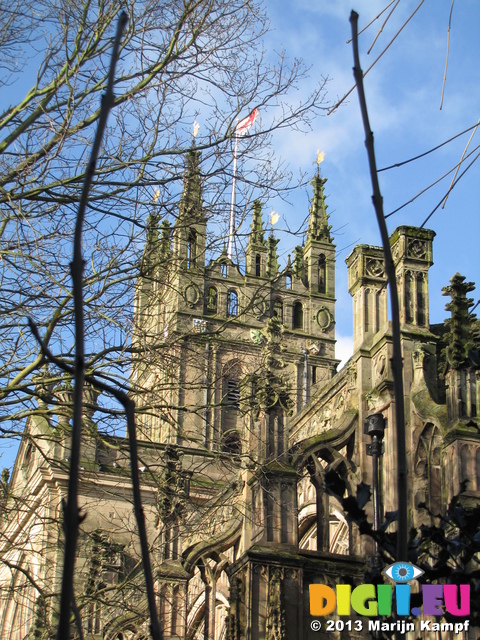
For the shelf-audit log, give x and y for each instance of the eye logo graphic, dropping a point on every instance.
(403, 572)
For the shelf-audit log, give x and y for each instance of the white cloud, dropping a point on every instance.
(343, 349)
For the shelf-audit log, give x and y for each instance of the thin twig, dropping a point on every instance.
(425, 153)
(461, 160)
(405, 204)
(382, 27)
(337, 104)
(71, 515)
(402, 548)
(449, 190)
(470, 313)
(448, 52)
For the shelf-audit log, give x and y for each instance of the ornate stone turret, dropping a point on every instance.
(367, 286)
(461, 353)
(413, 257)
(319, 252)
(165, 249)
(191, 204)
(298, 264)
(149, 264)
(318, 227)
(256, 253)
(460, 335)
(271, 494)
(272, 257)
(151, 243)
(190, 230)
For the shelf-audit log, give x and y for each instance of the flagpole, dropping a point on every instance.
(231, 228)
(242, 127)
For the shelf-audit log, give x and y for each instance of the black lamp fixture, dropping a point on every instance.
(374, 427)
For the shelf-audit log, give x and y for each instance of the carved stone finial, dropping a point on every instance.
(460, 336)
(191, 205)
(298, 262)
(43, 386)
(151, 243)
(257, 232)
(272, 257)
(318, 227)
(165, 249)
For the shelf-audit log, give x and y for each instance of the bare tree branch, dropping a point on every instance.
(72, 516)
(402, 537)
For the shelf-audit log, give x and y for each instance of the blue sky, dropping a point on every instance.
(403, 95)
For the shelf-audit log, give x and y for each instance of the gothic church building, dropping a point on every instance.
(242, 415)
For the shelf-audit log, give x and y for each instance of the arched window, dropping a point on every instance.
(28, 460)
(231, 443)
(297, 315)
(275, 432)
(223, 269)
(322, 274)
(409, 300)
(258, 264)
(278, 309)
(94, 620)
(288, 281)
(232, 303)
(191, 249)
(429, 466)
(322, 525)
(212, 300)
(465, 463)
(233, 394)
(230, 398)
(421, 300)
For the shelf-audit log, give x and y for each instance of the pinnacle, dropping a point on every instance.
(318, 227)
(257, 232)
(191, 202)
(272, 256)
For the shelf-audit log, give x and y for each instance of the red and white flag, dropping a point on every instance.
(244, 125)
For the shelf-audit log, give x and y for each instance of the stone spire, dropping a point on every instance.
(460, 327)
(190, 229)
(272, 257)
(191, 205)
(151, 242)
(164, 244)
(317, 265)
(318, 227)
(298, 261)
(256, 253)
(152, 230)
(257, 232)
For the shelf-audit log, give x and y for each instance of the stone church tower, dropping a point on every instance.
(209, 318)
(243, 419)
